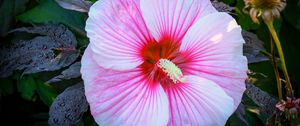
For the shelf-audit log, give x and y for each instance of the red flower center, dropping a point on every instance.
(152, 53)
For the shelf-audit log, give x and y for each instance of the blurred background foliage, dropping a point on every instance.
(25, 99)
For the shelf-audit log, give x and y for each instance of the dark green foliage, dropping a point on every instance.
(27, 86)
(238, 117)
(291, 13)
(8, 10)
(50, 11)
(46, 92)
(42, 69)
(291, 47)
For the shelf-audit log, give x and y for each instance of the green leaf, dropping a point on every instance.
(93, 1)
(252, 118)
(50, 11)
(247, 114)
(255, 114)
(229, 1)
(46, 92)
(262, 75)
(8, 10)
(27, 86)
(238, 117)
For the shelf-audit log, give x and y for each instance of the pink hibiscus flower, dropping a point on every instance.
(162, 62)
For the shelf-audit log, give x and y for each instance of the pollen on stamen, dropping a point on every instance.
(172, 71)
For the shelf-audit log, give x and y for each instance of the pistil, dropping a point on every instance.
(172, 71)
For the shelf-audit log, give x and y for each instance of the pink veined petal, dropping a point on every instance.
(117, 33)
(198, 102)
(172, 18)
(214, 46)
(124, 97)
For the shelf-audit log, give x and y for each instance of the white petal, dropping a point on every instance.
(117, 33)
(198, 101)
(214, 46)
(172, 18)
(122, 97)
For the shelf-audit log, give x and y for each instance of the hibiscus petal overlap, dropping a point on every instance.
(172, 18)
(124, 82)
(198, 101)
(116, 30)
(214, 44)
(122, 98)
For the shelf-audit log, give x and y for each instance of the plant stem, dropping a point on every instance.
(278, 79)
(281, 56)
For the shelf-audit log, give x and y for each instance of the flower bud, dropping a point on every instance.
(268, 9)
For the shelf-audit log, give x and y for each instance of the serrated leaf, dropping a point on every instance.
(52, 51)
(265, 101)
(72, 72)
(27, 86)
(68, 107)
(77, 5)
(222, 7)
(46, 92)
(253, 47)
